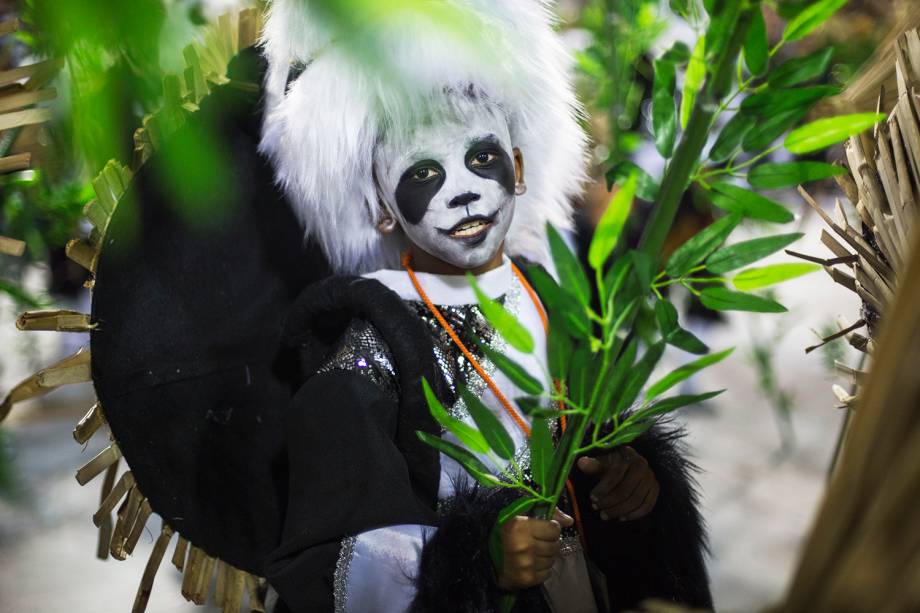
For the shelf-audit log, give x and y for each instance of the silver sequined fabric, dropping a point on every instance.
(471, 326)
(340, 577)
(361, 349)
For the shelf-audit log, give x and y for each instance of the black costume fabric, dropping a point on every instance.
(203, 359)
(365, 483)
(187, 355)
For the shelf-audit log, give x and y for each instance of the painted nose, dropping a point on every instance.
(463, 200)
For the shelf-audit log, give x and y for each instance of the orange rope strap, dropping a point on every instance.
(407, 264)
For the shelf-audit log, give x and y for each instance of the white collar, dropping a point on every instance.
(447, 290)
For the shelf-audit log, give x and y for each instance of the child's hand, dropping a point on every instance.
(529, 548)
(627, 488)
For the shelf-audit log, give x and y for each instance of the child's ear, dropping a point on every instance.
(520, 188)
(518, 165)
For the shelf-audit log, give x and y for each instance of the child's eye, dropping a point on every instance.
(424, 174)
(484, 158)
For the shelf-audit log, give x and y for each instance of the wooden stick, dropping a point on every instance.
(26, 98)
(8, 26)
(11, 246)
(234, 598)
(83, 253)
(180, 554)
(27, 117)
(64, 375)
(124, 485)
(203, 585)
(193, 567)
(859, 324)
(842, 278)
(58, 321)
(15, 163)
(8, 77)
(125, 520)
(105, 524)
(41, 382)
(103, 460)
(256, 604)
(150, 571)
(143, 514)
(905, 185)
(89, 424)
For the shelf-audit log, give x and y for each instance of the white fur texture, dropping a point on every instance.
(320, 131)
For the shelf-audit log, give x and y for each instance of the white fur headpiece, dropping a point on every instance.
(320, 129)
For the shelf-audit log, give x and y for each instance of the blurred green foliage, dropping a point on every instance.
(115, 55)
(615, 72)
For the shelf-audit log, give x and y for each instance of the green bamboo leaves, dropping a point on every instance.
(647, 187)
(504, 322)
(700, 246)
(609, 320)
(666, 319)
(731, 136)
(749, 204)
(722, 299)
(684, 372)
(488, 424)
(564, 307)
(693, 80)
(611, 224)
(810, 18)
(791, 174)
(741, 254)
(774, 101)
(571, 274)
(756, 46)
(757, 278)
(464, 432)
(823, 133)
(664, 108)
(801, 69)
(467, 460)
(514, 371)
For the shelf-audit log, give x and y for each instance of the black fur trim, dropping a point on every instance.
(456, 574)
(661, 555)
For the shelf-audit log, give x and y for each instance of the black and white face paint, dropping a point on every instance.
(450, 185)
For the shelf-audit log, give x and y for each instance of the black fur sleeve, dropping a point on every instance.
(661, 555)
(456, 574)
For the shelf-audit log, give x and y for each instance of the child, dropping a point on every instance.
(408, 184)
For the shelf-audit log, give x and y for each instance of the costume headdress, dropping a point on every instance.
(322, 124)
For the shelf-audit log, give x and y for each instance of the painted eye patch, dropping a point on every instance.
(489, 160)
(416, 187)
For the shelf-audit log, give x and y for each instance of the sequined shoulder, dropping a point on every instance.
(361, 349)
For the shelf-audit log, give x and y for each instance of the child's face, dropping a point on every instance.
(450, 185)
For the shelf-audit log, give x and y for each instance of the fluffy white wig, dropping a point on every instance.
(359, 80)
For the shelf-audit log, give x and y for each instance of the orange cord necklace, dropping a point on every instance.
(502, 399)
